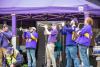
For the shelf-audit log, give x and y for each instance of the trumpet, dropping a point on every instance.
(24, 30)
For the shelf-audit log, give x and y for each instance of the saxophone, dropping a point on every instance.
(74, 35)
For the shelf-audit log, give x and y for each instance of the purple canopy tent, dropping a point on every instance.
(45, 7)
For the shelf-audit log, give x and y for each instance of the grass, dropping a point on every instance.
(24, 65)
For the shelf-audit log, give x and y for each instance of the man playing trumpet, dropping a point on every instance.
(31, 37)
(52, 38)
(71, 47)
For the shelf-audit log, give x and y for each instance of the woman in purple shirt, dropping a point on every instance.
(84, 40)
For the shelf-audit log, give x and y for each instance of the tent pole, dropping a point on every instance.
(14, 30)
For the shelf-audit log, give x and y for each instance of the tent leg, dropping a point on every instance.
(14, 30)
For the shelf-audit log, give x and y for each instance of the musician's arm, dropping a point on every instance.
(24, 35)
(83, 30)
(63, 30)
(34, 36)
(8, 34)
(47, 32)
(70, 29)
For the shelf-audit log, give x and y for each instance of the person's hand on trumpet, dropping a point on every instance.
(1, 31)
(78, 33)
(26, 30)
(63, 24)
(46, 26)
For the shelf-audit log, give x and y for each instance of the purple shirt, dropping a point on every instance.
(53, 36)
(6, 36)
(32, 43)
(68, 32)
(83, 39)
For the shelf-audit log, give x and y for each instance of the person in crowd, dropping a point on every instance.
(52, 38)
(6, 35)
(71, 46)
(31, 37)
(58, 48)
(84, 40)
(20, 33)
(57, 52)
(5, 38)
(13, 58)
